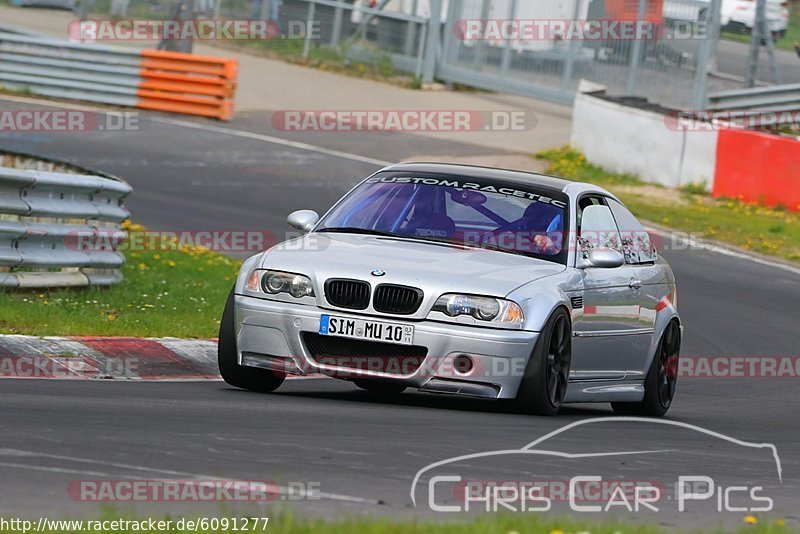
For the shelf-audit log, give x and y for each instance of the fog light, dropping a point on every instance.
(463, 364)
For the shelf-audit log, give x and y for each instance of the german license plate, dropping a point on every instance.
(366, 330)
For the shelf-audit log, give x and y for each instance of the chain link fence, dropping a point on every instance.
(584, 39)
(537, 48)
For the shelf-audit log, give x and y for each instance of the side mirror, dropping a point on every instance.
(303, 220)
(605, 258)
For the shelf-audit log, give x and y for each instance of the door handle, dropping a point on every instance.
(635, 284)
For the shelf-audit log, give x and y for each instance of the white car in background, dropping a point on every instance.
(737, 15)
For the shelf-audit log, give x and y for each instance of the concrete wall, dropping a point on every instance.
(644, 143)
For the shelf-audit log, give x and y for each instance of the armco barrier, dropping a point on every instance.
(758, 167)
(775, 98)
(41, 215)
(148, 79)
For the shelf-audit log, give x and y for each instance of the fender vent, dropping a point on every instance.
(577, 303)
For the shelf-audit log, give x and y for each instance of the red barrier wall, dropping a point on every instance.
(758, 167)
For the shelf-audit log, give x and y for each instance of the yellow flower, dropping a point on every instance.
(171, 263)
(780, 522)
(142, 266)
(750, 519)
(111, 317)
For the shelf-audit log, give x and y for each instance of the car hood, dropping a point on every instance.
(434, 268)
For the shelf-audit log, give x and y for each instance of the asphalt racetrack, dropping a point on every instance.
(363, 452)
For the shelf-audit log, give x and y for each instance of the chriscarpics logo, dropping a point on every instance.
(624, 465)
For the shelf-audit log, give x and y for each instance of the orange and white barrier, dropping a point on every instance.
(758, 167)
(676, 149)
(186, 83)
(148, 79)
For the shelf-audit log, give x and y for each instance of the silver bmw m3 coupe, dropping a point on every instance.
(463, 280)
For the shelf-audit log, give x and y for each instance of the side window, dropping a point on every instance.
(636, 243)
(585, 202)
(596, 226)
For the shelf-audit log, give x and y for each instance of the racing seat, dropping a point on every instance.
(540, 217)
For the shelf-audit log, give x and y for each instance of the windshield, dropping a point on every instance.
(511, 218)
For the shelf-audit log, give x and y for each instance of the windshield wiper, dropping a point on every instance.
(361, 231)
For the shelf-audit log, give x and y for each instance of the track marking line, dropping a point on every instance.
(61, 470)
(270, 139)
(217, 129)
(283, 490)
(726, 251)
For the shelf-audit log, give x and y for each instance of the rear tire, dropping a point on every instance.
(544, 384)
(379, 387)
(261, 380)
(661, 379)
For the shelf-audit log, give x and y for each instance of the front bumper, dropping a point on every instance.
(269, 334)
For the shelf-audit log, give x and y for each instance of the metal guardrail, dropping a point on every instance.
(774, 98)
(148, 79)
(45, 217)
(7, 28)
(60, 69)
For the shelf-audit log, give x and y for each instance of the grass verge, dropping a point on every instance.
(374, 65)
(165, 293)
(771, 231)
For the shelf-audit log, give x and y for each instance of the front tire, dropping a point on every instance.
(661, 379)
(261, 380)
(546, 377)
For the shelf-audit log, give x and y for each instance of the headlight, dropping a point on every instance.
(275, 282)
(481, 308)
